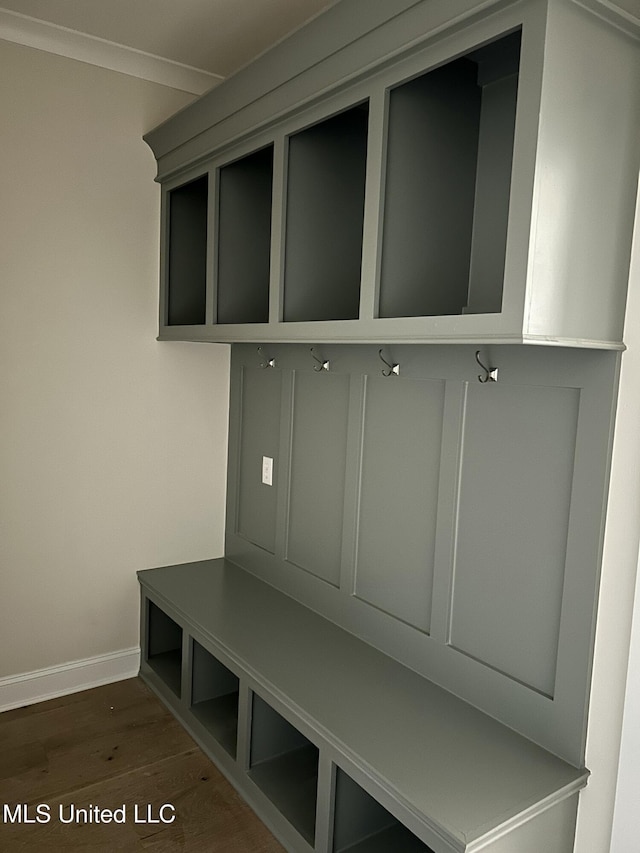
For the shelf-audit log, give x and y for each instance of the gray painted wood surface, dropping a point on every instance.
(357, 815)
(244, 239)
(260, 434)
(493, 185)
(432, 145)
(399, 485)
(210, 678)
(462, 522)
(324, 217)
(565, 259)
(187, 209)
(271, 734)
(517, 465)
(318, 463)
(214, 697)
(453, 776)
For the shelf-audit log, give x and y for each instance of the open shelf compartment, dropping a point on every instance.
(164, 648)
(214, 697)
(187, 253)
(284, 765)
(325, 216)
(448, 180)
(245, 189)
(362, 825)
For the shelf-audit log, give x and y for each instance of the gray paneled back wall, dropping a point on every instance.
(455, 525)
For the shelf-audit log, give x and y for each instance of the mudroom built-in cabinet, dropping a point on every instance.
(412, 222)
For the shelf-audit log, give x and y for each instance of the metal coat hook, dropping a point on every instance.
(321, 365)
(490, 373)
(394, 369)
(267, 362)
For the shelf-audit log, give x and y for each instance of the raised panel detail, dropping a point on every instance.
(517, 462)
(259, 437)
(318, 459)
(401, 451)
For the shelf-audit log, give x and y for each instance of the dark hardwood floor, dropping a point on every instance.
(115, 748)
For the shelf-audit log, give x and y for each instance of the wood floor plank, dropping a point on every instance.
(72, 765)
(209, 815)
(112, 706)
(117, 748)
(19, 759)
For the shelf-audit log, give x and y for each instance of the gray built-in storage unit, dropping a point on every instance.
(339, 747)
(425, 173)
(383, 215)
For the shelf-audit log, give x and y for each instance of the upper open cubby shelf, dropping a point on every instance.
(448, 177)
(324, 217)
(244, 239)
(187, 256)
(410, 175)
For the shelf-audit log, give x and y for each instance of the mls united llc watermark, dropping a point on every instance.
(24, 813)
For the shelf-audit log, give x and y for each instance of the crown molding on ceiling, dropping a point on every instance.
(622, 14)
(72, 44)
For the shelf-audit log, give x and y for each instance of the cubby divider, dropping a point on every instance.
(284, 765)
(214, 697)
(164, 648)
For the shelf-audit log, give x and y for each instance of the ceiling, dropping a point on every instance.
(191, 44)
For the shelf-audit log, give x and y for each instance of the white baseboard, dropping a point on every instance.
(54, 681)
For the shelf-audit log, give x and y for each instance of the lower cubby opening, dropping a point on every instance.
(214, 698)
(448, 180)
(284, 765)
(362, 825)
(164, 648)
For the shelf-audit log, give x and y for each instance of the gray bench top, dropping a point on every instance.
(458, 770)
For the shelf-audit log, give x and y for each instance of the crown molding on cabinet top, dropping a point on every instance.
(318, 53)
(73, 44)
(309, 50)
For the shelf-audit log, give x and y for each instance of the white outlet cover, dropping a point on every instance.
(267, 470)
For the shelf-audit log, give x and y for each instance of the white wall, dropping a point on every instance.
(615, 609)
(113, 446)
(626, 826)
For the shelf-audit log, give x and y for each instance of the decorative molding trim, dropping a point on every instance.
(73, 44)
(41, 684)
(614, 14)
